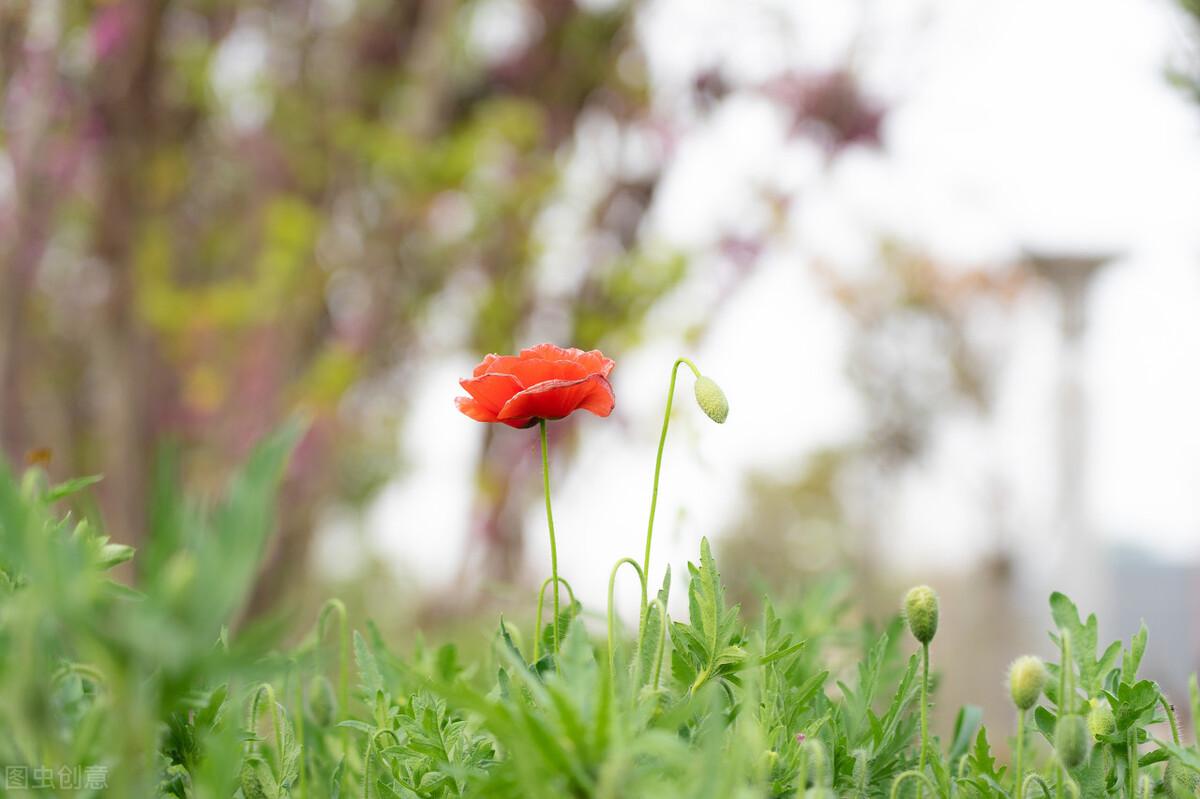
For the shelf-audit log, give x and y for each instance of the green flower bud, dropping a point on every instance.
(711, 399)
(815, 762)
(1180, 781)
(1071, 740)
(1026, 679)
(322, 704)
(921, 612)
(1100, 719)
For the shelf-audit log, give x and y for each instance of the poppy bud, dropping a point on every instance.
(1071, 740)
(812, 749)
(1100, 719)
(921, 613)
(711, 399)
(1026, 679)
(1179, 780)
(322, 705)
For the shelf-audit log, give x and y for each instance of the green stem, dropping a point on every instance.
(1170, 717)
(1020, 752)
(373, 749)
(300, 729)
(1039, 781)
(662, 640)
(612, 580)
(924, 712)
(550, 525)
(266, 688)
(335, 607)
(914, 775)
(1064, 698)
(662, 443)
(1131, 770)
(537, 625)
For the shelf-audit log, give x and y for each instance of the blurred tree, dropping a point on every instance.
(216, 213)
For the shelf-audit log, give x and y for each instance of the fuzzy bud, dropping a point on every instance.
(1100, 719)
(1180, 781)
(711, 399)
(921, 613)
(1026, 679)
(322, 705)
(1071, 740)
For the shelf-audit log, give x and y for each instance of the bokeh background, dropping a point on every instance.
(943, 257)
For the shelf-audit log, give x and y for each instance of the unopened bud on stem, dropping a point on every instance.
(711, 399)
(1071, 740)
(1026, 679)
(1100, 719)
(921, 613)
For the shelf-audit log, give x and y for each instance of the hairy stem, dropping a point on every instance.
(1020, 752)
(912, 775)
(924, 713)
(537, 625)
(1170, 709)
(1064, 697)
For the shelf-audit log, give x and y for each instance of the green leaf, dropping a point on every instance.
(1132, 658)
(74, 486)
(369, 677)
(965, 724)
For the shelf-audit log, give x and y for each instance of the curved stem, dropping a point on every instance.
(662, 640)
(924, 712)
(537, 627)
(550, 525)
(1020, 752)
(662, 443)
(266, 688)
(373, 749)
(1167, 706)
(336, 607)
(913, 774)
(612, 580)
(1039, 781)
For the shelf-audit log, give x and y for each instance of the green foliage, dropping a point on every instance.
(161, 687)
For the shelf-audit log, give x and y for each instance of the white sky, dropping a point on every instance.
(1014, 123)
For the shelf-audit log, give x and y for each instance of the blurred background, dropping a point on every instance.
(944, 258)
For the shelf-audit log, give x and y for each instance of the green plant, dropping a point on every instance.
(160, 691)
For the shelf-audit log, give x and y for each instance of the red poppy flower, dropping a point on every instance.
(543, 382)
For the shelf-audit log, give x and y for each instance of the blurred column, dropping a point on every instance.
(1080, 566)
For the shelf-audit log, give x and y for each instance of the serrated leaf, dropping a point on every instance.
(1132, 658)
(369, 677)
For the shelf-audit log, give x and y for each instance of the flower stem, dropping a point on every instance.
(537, 625)
(612, 644)
(1020, 752)
(662, 442)
(550, 525)
(1167, 706)
(924, 712)
(1065, 690)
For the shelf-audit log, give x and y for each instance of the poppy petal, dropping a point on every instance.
(491, 390)
(554, 399)
(473, 409)
(485, 365)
